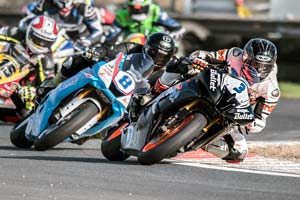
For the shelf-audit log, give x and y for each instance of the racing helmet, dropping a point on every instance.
(261, 54)
(138, 9)
(41, 34)
(160, 47)
(64, 5)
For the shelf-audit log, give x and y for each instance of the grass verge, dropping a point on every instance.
(289, 90)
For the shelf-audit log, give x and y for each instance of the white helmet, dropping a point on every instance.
(41, 34)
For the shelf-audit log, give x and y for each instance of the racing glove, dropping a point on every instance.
(177, 35)
(256, 126)
(96, 54)
(179, 66)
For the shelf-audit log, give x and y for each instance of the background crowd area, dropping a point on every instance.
(220, 21)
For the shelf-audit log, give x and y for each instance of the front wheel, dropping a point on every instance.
(111, 144)
(17, 135)
(172, 139)
(74, 121)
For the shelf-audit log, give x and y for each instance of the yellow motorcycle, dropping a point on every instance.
(12, 78)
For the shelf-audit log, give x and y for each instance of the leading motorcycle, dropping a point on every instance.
(186, 117)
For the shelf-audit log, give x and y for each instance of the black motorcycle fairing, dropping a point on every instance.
(210, 81)
(229, 106)
(241, 116)
(178, 95)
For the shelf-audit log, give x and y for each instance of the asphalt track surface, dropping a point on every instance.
(80, 172)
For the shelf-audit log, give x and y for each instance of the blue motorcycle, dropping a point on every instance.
(91, 101)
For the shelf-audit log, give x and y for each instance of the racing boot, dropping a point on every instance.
(225, 150)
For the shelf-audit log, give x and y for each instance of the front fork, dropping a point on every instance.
(206, 137)
(81, 97)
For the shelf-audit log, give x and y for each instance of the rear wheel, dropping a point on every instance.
(74, 121)
(111, 144)
(169, 141)
(17, 135)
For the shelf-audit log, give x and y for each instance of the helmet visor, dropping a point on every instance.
(160, 57)
(263, 69)
(138, 9)
(39, 41)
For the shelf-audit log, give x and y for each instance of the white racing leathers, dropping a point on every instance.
(233, 146)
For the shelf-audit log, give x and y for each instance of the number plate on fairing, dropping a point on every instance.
(124, 82)
(238, 87)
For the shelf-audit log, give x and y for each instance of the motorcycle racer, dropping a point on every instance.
(160, 47)
(144, 17)
(264, 95)
(81, 20)
(30, 51)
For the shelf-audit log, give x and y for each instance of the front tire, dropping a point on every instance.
(111, 144)
(17, 135)
(59, 133)
(161, 147)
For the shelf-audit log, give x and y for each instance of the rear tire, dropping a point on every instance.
(17, 135)
(156, 150)
(59, 133)
(110, 146)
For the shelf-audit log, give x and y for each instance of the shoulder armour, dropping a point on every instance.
(236, 51)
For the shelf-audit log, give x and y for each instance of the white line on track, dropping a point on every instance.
(256, 164)
(208, 166)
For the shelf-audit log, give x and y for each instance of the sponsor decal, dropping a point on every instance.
(166, 42)
(242, 110)
(243, 116)
(69, 82)
(263, 58)
(221, 54)
(105, 72)
(88, 75)
(213, 80)
(268, 108)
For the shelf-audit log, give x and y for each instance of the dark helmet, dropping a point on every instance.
(161, 47)
(138, 9)
(65, 6)
(261, 54)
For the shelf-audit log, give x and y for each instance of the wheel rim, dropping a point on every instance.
(167, 134)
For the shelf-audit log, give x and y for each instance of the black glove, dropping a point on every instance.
(215, 61)
(96, 54)
(134, 107)
(46, 86)
(179, 66)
